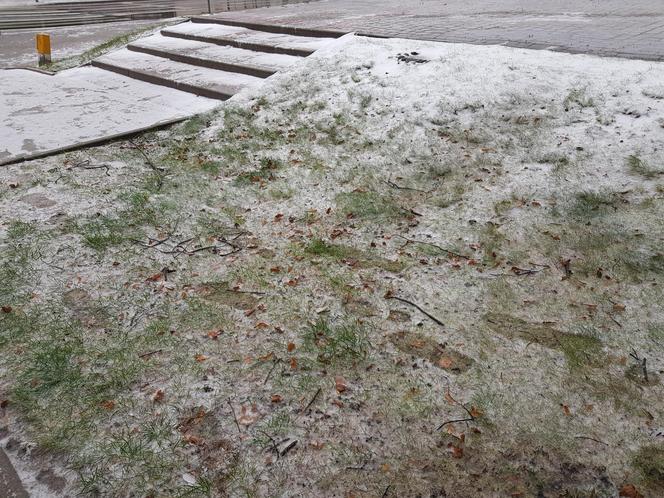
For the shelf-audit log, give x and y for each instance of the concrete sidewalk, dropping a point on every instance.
(10, 484)
(633, 29)
(43, 113)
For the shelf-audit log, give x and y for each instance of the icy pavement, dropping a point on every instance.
(43, 113)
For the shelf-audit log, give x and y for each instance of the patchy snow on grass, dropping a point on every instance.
(400, 268)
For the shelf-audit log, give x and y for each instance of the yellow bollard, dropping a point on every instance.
(44, 48)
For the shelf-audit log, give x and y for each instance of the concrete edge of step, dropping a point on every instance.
(271, 28)
(258, 72)
(161, 81)
(256, 47)
(91, 142)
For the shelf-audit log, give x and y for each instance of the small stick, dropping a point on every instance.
(591, 439)
(150, 353)
(145, 156)
(447, 251)
(389, 296)
(274, 443)
(234, 416)
(312, 400)
(469, 419)
(387, 489)
(269, 374)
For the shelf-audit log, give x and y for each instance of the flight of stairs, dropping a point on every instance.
(213, 58)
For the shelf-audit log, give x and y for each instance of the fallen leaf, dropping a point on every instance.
(457, 451)
(566, 410)
(6, 309)
(630, 491)
(340, 384)
(213, 334)
(293, 364)
(158, 396)
(445, 362)
(262, 326)
(616, 307)
(266, 357)
(200, 358)
(276, 398)
(475, 412)
(385, 467)
(155, 278)
(108, 404)
(290, 347)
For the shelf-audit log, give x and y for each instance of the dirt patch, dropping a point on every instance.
(579, 349)
(221, 293)
(440, 355)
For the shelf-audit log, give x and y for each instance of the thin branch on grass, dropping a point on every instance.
(642, 362)
(149, 353)
(591, 439)
(389, 295)
(237, 424)
(447, 251)
(275, 448)
(390, 183)
(312, 401)
(147, 158)
(86, 165)
(269, 374)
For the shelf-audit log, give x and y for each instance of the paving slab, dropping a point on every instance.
(610, 27)
(44, 113)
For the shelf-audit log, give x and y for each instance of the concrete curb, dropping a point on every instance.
(256, 47)
(10, 482)
(208, 63)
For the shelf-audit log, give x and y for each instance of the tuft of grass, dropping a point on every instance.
(649, 461)
(343, 343)
(638, 166)
(266, 171)
(591, 203)
(369, 205)
(578, 96)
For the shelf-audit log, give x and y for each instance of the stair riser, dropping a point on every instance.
(194, 61)
(271, 28)
(256, 47)
(157, 80)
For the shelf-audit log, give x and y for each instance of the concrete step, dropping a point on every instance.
(269, 28)
(224, 58)
(203, 81)
(240, 37)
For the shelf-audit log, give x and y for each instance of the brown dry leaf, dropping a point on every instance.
(566, 410)
(475, 412)
(385, 467)
(630, 491)
(158, 396)
(155, 278)
(213, 334)
(276, 398)
(6, 309)
(618, 307)
(248, 415)
(262, 326)
(449, 398)
(457, 451)
(200, 358)
(109, 404)
(445, 362)
(266, 357)
(290, 347)
(340, 384)
(417, 343)
(275, 269)
(293, 364)
(195, 440)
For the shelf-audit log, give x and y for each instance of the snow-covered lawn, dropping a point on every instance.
(400, 269)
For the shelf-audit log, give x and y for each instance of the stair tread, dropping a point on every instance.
(245, 35)
(219, 53)
(212, 79)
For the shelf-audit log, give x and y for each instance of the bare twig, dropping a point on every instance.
(146, 157)
(399, 187)
(150, 353)
(237, 424)
(312, 401)
(591, 439)
(269, 374)
(469, 419)
(447, 251)
(275, 448)
(86, 165)
(387, 490)
(401, 299)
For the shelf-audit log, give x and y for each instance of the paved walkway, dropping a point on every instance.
(10, 484)
(622, 28)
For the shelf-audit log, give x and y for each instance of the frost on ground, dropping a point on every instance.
(401, 269)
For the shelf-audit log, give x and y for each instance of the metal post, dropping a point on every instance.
(44, 48)
(209, 6)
